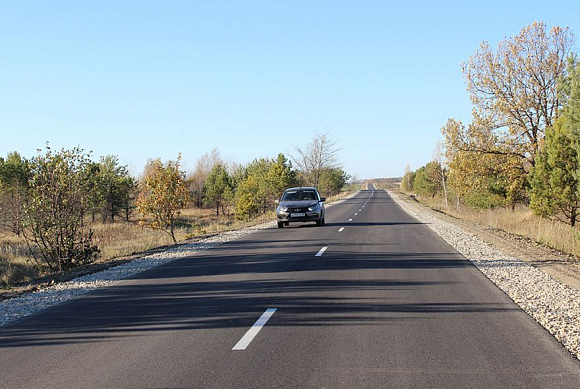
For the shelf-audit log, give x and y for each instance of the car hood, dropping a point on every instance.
(298, 204)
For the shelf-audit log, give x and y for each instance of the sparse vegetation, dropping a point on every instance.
(520, 221)
(79, 211)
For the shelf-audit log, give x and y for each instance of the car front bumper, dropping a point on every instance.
(308, 217)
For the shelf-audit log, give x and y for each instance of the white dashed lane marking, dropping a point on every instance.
(252, 332)
(321, 251)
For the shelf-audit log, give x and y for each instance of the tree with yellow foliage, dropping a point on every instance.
(163, 193)
(514, 91)
(482, 179)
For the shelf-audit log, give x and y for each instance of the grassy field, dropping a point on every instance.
(519, 221)
(15, 261)
(115, 240)
(121, 239)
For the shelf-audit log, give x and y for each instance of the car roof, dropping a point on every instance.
(302, 187)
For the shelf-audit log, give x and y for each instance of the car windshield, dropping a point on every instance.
(299, 195)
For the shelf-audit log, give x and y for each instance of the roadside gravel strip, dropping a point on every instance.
(551, 303)
(33, 302)
(30, 303)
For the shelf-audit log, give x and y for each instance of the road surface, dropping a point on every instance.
(387, 304)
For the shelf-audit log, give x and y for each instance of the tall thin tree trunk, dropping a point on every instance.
(172, 230)
(445, 193)
(444, 185)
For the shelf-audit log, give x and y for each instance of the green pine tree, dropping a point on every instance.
(218, 188)
(555, 178)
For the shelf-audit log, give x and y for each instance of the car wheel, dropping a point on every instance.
(287, 224)
(319, 222)
(323, 221)
(280, 225)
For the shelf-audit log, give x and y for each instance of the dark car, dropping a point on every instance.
(300, 205)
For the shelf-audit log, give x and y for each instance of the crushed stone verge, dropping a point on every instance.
(18, 307)
(30, 303)
(553, 304)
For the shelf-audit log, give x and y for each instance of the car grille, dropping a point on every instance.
(297, 209)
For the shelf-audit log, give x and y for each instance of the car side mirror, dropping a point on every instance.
(323, 199)
(277, 201)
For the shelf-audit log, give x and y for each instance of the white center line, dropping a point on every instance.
(356, 214)
(341, 229)
(349, 220)
(360, 210)
(322, 250)
(252, 332)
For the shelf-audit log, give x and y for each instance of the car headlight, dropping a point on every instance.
(314, 207)
(283, 209)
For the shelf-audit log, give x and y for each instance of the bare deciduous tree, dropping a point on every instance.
(438, 158)
(197, 178)
(320, 154)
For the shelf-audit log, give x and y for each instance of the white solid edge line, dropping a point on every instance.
(341, 229)
(321, 251)
(252, 332)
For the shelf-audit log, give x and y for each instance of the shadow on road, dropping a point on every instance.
(208, 292)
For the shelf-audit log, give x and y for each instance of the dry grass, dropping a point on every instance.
(16, 264)
(350, 189)
(520, 221)
(120, 239)
(115, 240)
(125, 238)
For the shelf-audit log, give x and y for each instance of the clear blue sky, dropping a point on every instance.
(149, 79)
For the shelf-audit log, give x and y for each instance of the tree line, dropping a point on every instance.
(523, 143)
(51, 198)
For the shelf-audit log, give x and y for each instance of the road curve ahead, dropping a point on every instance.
(373, 299)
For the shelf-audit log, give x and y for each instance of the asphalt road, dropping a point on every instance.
(387, 304)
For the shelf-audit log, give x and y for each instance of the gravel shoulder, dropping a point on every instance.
(562, 266)
(21, 303)
(541, 281)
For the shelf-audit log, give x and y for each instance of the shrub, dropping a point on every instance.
(56, 207)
